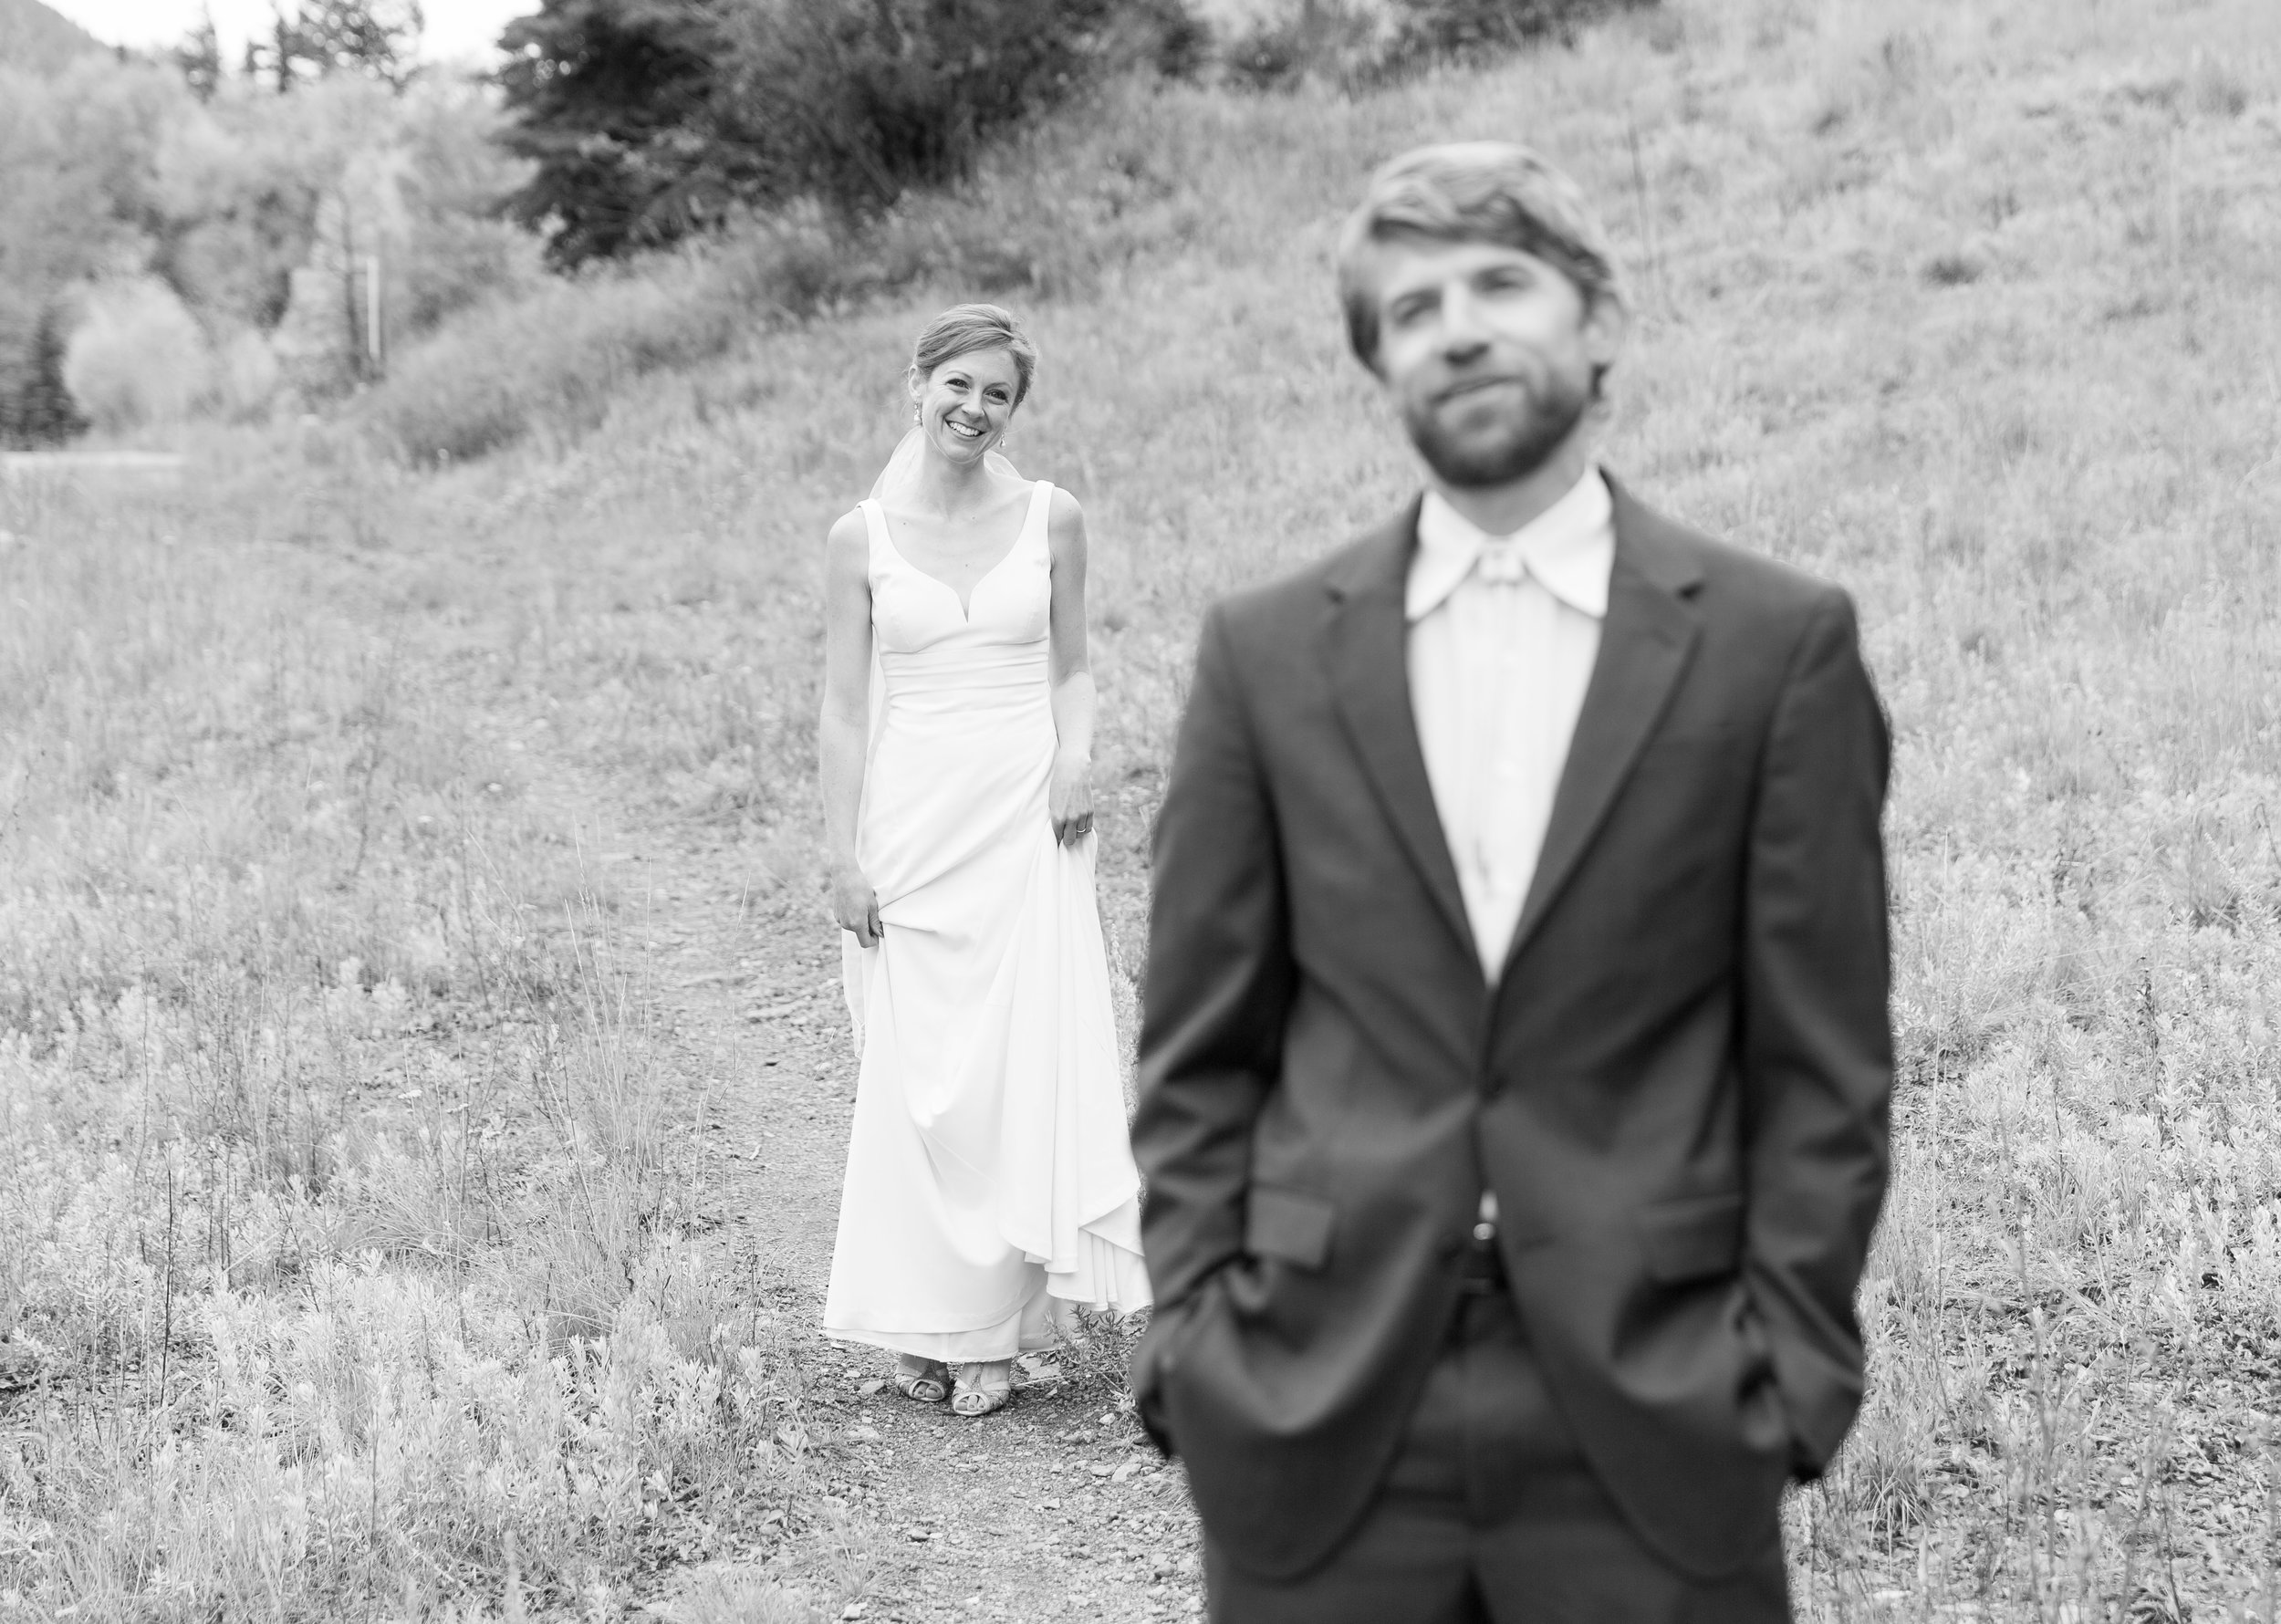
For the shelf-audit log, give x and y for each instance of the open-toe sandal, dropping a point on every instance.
(927, 1381)
(984, 1390)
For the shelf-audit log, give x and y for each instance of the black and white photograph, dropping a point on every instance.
(1141, 811)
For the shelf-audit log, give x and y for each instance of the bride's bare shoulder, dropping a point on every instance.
(850, 542)
(1065, 522)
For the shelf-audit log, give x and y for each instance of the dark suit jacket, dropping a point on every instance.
(1678, 1088)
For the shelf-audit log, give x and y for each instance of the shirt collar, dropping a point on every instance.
(1569, 549)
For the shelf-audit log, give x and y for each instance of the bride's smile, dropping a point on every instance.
(966, 404)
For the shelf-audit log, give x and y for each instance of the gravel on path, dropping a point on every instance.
(1054, 1508)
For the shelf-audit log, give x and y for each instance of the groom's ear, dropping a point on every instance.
(1358, 301)
(1607, 324)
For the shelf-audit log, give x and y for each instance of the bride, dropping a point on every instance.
(990, 1183)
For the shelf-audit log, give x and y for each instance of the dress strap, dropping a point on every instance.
(1041, 501)
(875, 530)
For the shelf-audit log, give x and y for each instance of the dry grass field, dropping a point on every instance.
(359, 1257)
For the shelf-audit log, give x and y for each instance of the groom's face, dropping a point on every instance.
(1488, 352)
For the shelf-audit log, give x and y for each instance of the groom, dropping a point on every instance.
(1515, 1058)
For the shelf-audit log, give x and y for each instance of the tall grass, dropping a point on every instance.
(350, 1266)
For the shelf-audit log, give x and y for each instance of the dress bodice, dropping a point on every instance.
(941, 661)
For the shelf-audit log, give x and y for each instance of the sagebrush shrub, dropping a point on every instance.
(1359, 42)
(1329, 37)
(1465, 30)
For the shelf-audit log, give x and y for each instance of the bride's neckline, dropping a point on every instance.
(966, 601)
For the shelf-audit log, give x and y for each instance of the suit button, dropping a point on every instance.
(1484, 1231)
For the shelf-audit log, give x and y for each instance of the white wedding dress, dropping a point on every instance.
(990, 1172)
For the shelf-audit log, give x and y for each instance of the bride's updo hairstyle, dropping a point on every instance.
(963, 328)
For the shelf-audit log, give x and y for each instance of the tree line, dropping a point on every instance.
(221, 213)
(650, 120)
(319, 39)
(175, 237)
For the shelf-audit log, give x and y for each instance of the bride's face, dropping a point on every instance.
(966, 402)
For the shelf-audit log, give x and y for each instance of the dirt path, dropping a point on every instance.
(1055, 1508)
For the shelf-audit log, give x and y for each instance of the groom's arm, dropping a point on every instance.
(1218, 981)
(1818, 1054)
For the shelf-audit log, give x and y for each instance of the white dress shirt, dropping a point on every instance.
(1504, 631)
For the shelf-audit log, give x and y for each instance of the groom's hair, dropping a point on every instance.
(963, 328)
(1472, 191)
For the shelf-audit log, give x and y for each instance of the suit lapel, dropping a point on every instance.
(1370, 682)
(1645, 645)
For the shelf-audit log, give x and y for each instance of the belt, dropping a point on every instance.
(1481, 1268)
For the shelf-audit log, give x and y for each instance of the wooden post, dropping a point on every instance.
(372, 350)
(350, 314)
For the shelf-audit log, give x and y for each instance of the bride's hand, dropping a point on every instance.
(1069, 800)
(855, 905)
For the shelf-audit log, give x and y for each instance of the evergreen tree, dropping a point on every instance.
(650, 119)
(379, 38)
(612, 99)
(39, 410)
(200, 56)
(285, 48)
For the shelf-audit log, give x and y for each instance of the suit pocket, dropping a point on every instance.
(1290, 1226)
(1692, 1238)
(1156, 1363)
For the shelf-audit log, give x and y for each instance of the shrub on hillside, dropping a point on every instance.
(650, 120)
(1334, 38)
(500, 373)
(557, 358)
(456, 250)
(137, 357)
(247, 376)
(1359, 42)
(1428, 31)
(910, 92)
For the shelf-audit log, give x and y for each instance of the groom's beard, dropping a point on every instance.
(1477, 457)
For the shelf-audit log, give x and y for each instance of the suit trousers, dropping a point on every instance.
(1491, 1516)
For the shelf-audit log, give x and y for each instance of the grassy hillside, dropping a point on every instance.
(1971, 306)
(38, 39)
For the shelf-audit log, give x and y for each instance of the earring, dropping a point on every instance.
(914, 414)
